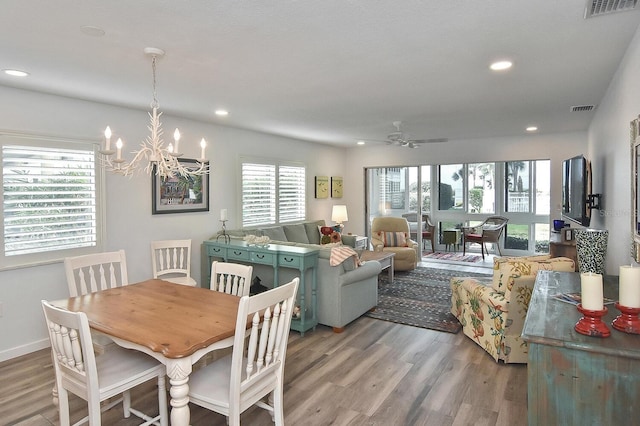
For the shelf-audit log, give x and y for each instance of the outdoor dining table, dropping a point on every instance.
(173, 323)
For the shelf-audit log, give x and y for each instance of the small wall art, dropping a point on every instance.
(180, 194)
(322, 186)
(336, 186)
(568, 234)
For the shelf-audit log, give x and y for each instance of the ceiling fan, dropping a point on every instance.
(400, 138)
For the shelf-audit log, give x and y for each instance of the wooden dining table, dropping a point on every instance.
(173, 323)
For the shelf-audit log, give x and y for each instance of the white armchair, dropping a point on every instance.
(391, 234)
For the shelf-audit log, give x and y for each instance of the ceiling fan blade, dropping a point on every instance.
(433, 140)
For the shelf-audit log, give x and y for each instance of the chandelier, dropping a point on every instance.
(153, 155)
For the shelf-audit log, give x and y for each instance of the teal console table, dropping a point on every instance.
(575, 379)
(277, 256)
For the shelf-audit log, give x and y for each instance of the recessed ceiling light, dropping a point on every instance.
(532, 129)
(16, 73)
(92, 31)
(221, 112)
(501, 65)
(360, 142)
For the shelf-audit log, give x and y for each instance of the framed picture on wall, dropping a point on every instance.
(336, 186)
(180, 194)
(322, 186)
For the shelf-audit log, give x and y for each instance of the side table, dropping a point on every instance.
(362, 243)
(564, 249)
(451, 237)
(384, 258)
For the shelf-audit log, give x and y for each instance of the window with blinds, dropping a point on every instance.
(49, 201)
(291, 194)
(272, 193)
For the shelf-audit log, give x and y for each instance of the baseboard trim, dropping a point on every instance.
(23, 350)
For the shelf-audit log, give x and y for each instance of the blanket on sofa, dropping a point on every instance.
(341, 253)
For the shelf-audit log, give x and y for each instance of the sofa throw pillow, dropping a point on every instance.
(333, 238)
(275, 233)
(296, 233)
(313, 231)
(325, 234)
(393, 239)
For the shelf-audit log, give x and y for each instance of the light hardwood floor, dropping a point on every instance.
(374, 373)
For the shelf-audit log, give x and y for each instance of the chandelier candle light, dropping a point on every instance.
(165, 159)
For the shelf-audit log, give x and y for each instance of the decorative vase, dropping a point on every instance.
(591, 245)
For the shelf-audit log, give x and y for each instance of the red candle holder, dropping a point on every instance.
(591, 324)
(627, 321)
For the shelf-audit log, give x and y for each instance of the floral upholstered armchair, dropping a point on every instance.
(492, 310)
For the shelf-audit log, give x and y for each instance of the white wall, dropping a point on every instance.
(130, 224)
(556, 147)
(609, 151)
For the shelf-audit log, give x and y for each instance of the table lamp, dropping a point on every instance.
(339, 215)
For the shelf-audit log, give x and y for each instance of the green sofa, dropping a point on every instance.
(345, 292)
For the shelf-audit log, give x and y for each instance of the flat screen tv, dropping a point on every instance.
(576, 187)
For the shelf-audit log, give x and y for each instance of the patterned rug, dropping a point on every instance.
(421, 298)
(453, 256)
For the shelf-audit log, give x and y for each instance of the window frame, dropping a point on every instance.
(277, 190)
(53, 256)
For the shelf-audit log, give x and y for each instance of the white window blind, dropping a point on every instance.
(291, 193)
(272, 193)
(49, 199)
(258, 194)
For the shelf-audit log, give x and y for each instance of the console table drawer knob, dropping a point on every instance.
(289, 261)
(238, 254)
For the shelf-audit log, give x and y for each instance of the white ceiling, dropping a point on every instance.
(331, 71)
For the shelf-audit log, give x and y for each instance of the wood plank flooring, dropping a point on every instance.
(374, 373)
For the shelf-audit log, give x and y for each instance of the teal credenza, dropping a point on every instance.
(277, 256)
(575, 379)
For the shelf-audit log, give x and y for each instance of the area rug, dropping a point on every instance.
(420, 298)
(453, 256)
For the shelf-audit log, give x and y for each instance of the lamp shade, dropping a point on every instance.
(339, 214)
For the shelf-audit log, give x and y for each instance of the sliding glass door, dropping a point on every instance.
(397, 191)
(456, 195)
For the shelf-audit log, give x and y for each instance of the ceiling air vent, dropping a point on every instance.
(604, 7)
(580, 108)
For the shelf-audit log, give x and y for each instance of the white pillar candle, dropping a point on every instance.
(629, 295)
(223, 214)
(592, 298)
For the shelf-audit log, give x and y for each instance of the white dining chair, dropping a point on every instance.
(171, 261)
(96, 272)
(231, 278)
(96, 379)
(232, 384)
